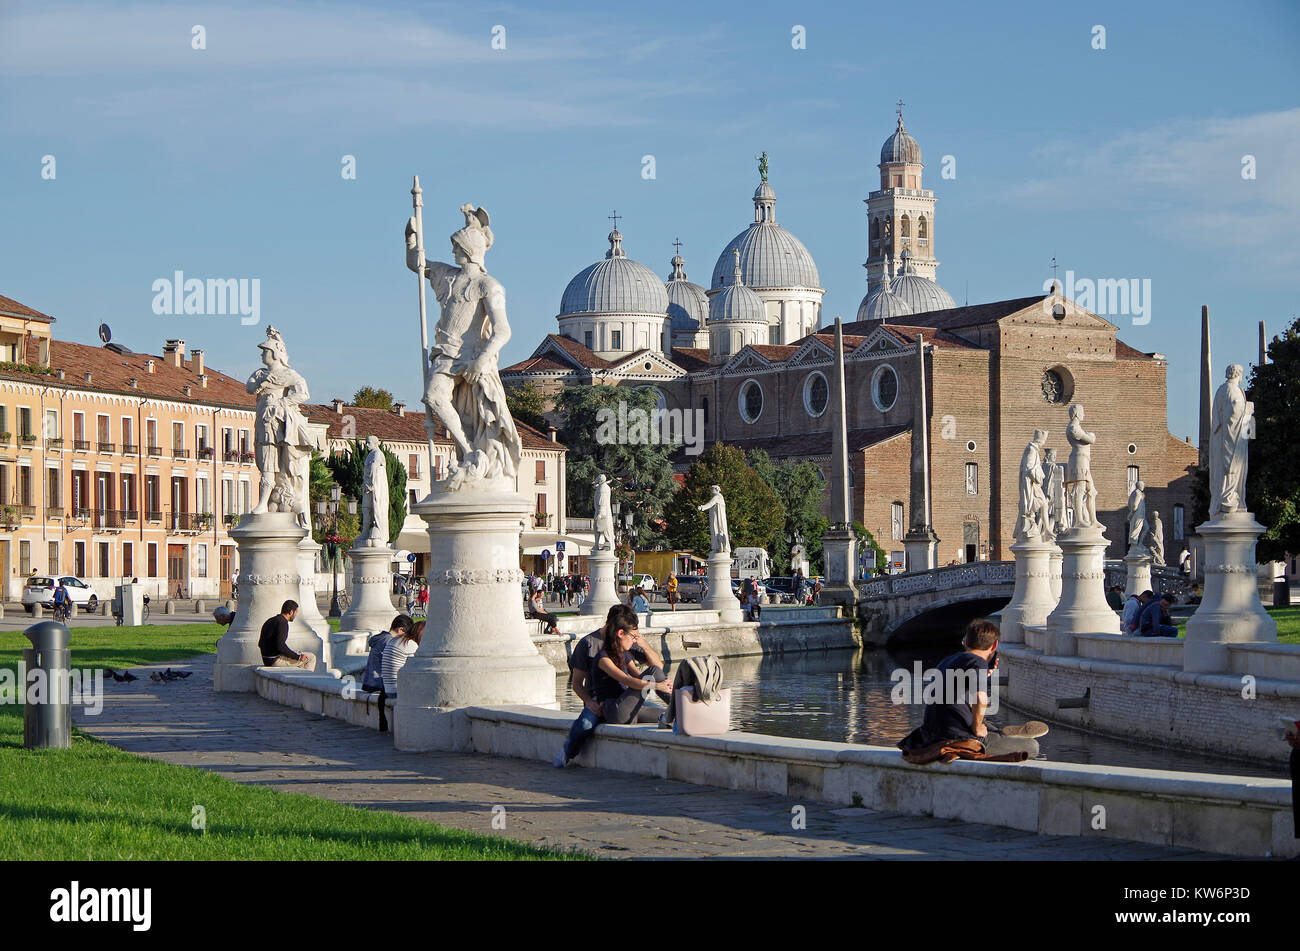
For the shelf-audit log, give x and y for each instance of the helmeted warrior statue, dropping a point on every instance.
(283, 442)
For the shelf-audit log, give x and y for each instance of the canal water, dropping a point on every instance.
(844, 696)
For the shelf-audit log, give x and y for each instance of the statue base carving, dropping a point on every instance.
(1082, 608)
(720, 598)
(1033, 600)
(1137, 577)
(371, 607)
(840, 557)
(269, 575)
(476, 647)
(1054, 561)
(921, 549)
(1230, 611)
(602, 568)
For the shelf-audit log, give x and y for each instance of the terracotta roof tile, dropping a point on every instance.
(1124, 352)
(580, 353)
(408, 428)
(691, 359)
(11, 307)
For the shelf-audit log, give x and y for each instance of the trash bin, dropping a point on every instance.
(47, 724)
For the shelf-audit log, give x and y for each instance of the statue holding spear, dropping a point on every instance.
(462, 387)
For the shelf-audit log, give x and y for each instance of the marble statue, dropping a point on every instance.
(720, 539)
(1232, 426)
(374, 499)
(604, 516)
(1156, 540)
(1137, 516)
(462, 385)
(1058, 517)
(1078, 470)
(281, 435)
(1032, 524)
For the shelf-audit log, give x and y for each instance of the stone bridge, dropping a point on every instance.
(932, 606)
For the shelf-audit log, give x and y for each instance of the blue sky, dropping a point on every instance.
(225, 162)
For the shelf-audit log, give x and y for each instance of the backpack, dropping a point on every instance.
(373, 679)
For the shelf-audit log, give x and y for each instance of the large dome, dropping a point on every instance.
(616, 285)
(688, 305)
(770, 256)
(900, 148)
(919, 293)
(881, 304)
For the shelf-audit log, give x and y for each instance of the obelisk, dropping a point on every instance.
(839, 543)
(920, 543)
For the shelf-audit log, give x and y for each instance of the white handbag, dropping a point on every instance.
(697, 718)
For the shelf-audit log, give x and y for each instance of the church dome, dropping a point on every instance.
(688, 304)
(881, 304)
(919, 293)
(770, 256)
(616, 285)
(900, 147)
(736, 302)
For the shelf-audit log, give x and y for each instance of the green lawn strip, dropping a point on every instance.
(95, 801)
(1288, 624)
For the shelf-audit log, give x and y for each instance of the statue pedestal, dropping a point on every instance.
(1137, 577)
(921, 549)
(602, 568)
(840, 557)
(1082, 608)
(476, 648)
(1032, 600)
(1230, 611)
(269, 575)
(1054, 567)
(720, 598)
(371, 607)
(308, 612)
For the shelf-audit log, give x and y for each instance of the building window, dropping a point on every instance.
(4, 419)
(896, 521)
(153, 559)
(78, 427)
(24, 485)
(178, 436)
(128, 560)
(616, 340)
(1132, 477)
(51, 423)
(816, 393)
(905, 227)
(1179, 525)
(244, 445)
(201, 562)
(413, 465)
(54, 567)
(774, 334)
(972, 478)
(129, 501)
(540, 474)
(587, 339)
(24, 558)
(105, 561)
(884, 388)
(103, 434)
(79, 559)
(541, 503)
(413, 499)
(153, 501)
(25, 422)
(922, 231)
(704, 406)
(52, 483)
(201, 437)
(751, 401)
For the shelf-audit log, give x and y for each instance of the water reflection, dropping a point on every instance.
(843, 696)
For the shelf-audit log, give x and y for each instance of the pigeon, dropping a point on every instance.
(120, 678)
(156, 677)
(128, 676)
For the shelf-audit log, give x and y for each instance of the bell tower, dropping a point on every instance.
(900, 215)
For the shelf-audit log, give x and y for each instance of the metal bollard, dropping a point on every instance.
(47, 724)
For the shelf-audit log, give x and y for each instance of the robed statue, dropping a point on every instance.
(281, 436)
(603, 516)
(1232, 426)
(1156, 541)
(374, 498)
(719, 537)
(462, 387)
(1032, 525)
(1137, 517)
(1058, 519)
(1078, 470)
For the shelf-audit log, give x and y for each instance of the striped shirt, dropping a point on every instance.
(396, 653)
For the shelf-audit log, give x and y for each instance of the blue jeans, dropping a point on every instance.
(579, 732)
(1161, 630)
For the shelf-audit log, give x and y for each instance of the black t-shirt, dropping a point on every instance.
(274, 641)
(584, 654)
(603, 686)
(951, 718)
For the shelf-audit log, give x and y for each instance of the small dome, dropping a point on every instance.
(919, 293)
(770, 256)
(764, 192)
(900, 147)
(616, 285)
(688, 304)
(736, 302)
(881, 304)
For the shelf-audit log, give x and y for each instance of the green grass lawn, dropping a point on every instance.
(1288, 624)
(94, 801)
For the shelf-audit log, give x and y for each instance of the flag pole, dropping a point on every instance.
(417, 203)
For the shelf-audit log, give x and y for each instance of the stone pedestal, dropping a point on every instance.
(602, 567)
(371, 607)
(1054, 567)
(1137, 576)
(1230, 611)
(269, 576)
(308, 610)
(1032, 599)
(720, 598)
(921, 549)
(1082, 608)
(476, 648)
(840, 556)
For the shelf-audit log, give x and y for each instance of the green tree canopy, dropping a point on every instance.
(349, 471)
(372, 397)
(802, 491)
(528, 405)
(638, 468)
(1273, 478)
(755, 512)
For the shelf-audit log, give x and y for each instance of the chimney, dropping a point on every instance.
(399, 408)
(187, 389)
(174, 352)
(203, 377)
(338, 405)
(197, 366)
(148, 365)
(61, 374)
(134, 383)
(551, 429)
(87, 376)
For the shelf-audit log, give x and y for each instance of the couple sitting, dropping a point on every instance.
(614, 673)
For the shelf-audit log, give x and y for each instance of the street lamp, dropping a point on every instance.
(331, 509)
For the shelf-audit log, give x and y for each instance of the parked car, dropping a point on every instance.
(782, 589)
(763, 592)
(646, 583)
(40, 590)
(689, 588)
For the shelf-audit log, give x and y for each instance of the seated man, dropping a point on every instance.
(1132, 611)
(223, 615)
(274, 641)
(538, 613)
(1115, 598)
(1154, 620)
(958, 717)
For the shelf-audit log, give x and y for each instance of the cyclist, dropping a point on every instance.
(62, 602)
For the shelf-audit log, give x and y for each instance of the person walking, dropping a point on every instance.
(670, 589)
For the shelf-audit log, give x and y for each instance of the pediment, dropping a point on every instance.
(811, 351)
(646, 364)
(746, 360)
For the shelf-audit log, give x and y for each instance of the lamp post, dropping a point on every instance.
(330, 509)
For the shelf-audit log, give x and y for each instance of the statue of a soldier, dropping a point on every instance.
(281, 436)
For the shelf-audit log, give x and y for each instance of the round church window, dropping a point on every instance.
(1053, 387)
(816, 394)
(751, 401)
(884, 388)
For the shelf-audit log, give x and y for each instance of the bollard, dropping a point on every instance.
(47, 724)
(2, 610)
(169, 607)
(199, 607)
(103, 609)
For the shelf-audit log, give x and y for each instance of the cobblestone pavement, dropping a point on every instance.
(251, 740)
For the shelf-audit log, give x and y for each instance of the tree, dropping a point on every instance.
(349, 471)
(802, 491)
(527, 405)
(372, 398)
(636, 464)
(867, 542)
(345, 527)
(755, 512)
(1273, 479)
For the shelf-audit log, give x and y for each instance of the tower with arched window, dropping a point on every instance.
(900, 215)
